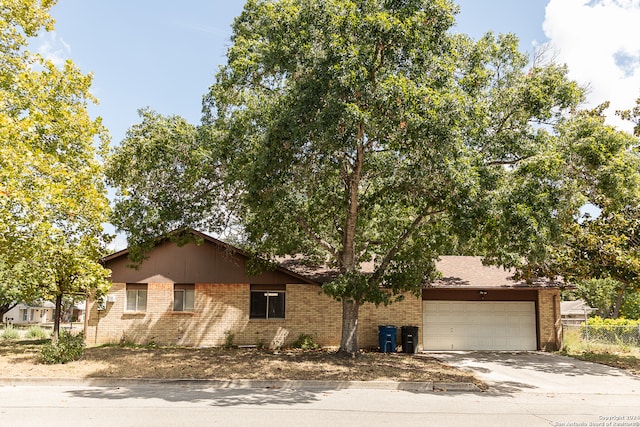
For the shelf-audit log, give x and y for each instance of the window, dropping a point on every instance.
(136, 297)
(183, 297)
(267, 302)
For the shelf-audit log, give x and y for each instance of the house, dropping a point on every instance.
(30, 314)
(574, 313)
(200, 294)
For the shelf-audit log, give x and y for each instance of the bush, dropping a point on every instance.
(614, 331)
(10, 333)
(69, 348)
(37, 332)
(305, 342)
(229, 338)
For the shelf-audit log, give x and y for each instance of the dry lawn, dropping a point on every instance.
(20, 359)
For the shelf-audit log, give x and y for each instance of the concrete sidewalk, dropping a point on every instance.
(247, 384)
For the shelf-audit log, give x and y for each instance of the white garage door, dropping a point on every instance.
(479, 325)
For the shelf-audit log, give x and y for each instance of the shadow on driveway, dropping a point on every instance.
(511, 372)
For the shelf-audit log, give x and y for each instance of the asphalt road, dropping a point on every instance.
(526, 389)
(189, 405)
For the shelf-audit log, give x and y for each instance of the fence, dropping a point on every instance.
(624, 335)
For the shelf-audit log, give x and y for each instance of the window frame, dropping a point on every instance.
(138, 288)
(185, 289)
(269, 293)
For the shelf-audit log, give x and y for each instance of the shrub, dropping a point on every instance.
(229, 338)
(10, 333)
(614, 331)
(37, 332)
(305, 342)
(69, 348)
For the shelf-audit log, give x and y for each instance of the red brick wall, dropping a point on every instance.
(225, 307)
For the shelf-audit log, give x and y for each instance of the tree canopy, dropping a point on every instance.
(52, 199)
(367, 132)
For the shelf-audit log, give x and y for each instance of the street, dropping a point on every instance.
(191, 404)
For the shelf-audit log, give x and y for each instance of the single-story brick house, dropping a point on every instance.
(198, 294)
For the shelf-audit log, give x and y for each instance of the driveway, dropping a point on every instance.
(539, 372)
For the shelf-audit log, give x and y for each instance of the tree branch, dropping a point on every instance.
(323, 243)
(396, 248)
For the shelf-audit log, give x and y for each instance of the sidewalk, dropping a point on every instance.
(246, 384)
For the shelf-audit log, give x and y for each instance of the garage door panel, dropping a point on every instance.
(475, 325)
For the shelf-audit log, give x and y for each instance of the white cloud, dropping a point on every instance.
(53, 48)
(599, 40)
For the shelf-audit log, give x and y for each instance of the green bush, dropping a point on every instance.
(10, 333)
(614, 331)
(305, 342)
(37, 332)
(229, 340)
(69, 348)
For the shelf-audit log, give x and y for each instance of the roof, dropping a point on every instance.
(575, 308)
(469, 272)
(457, 272)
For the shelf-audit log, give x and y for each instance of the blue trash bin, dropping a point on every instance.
(387, 338)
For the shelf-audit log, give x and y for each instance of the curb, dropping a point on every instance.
(245, 384)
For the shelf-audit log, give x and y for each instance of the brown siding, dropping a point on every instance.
(191, 263)
(225, 307)
(435, 294)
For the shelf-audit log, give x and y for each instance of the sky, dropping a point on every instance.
(164, 54)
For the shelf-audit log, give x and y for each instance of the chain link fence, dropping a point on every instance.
(606, 334)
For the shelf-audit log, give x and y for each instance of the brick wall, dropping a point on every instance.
(549, 322)
(225, 307)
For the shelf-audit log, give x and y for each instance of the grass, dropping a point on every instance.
(10, 333)
(20, 359)
(621, 356)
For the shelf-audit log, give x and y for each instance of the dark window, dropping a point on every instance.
(183, 297)
(136, 297)
(267, 302)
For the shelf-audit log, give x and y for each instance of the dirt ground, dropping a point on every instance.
(20, 359)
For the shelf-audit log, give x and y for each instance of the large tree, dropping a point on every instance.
(364, 131)
(354, 132)
(52, 199)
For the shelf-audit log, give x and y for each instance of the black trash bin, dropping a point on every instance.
(409, 339)
(387, 338)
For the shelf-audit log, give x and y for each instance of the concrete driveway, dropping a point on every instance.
(538, 372)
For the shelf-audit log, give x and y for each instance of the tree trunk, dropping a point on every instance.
(4, 309)
(349, 341)
(619, 300)
(56, 320)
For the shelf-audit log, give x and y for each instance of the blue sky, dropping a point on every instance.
(164, 54)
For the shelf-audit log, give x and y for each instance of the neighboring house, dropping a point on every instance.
(25, 314)
(198, 295)
(575, 312)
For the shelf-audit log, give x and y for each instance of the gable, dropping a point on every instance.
(207, 262)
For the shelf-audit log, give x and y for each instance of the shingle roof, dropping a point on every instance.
(457, 271)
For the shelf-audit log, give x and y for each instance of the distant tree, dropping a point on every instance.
(166, 179)
(598, 165)
(52, 198)
(607, 296)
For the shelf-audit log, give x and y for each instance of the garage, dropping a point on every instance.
(479, 325)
